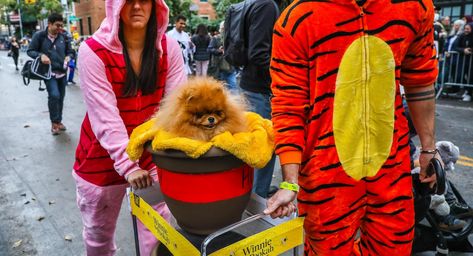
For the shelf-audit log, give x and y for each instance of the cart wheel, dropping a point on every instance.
(442, 252)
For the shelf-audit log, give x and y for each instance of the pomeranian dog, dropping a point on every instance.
(201, 109)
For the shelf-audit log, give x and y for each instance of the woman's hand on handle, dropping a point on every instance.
(140, 179)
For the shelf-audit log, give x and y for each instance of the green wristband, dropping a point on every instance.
(289, 186)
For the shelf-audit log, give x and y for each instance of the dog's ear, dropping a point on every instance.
(217, 89)
(187, 96)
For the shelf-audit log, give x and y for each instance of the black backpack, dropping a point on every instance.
(235, 45)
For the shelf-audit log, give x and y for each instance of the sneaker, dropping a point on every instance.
(55, 129)
(61, 127)
(450, 223)
(466, 97)
(460, 210)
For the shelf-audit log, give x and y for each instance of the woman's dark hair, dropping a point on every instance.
(145, 81)
(201, 30)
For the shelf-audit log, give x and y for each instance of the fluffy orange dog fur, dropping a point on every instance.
(201, 109)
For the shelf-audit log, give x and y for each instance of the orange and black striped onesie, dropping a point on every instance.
(336, 68)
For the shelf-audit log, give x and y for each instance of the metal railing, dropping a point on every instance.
(456, 69)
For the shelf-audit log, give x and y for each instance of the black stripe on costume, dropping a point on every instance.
(371, 193)
(389, 24)
(329, 134)
(308, 159)
(334, 35)
(315, 56)
(289, 87)
(329, 73)
(310, 202)
(289, 145)
(357, 200)
(402, 146)
(275, 114)
(388, 166)
(277, 33)
(402, 1)
(375, 179)
(378, 242)
(402, 176)
(403, 233)
(348, 21)
(412, 56)
(316, 240)
(350, 239)
(371, 248)
(322, 147)
(333, 231)
(326, 186)
(343, 216)
(416, 71)
(393, 41)
(284, 23)
(290, 128)
(403, 136)
(400, 241)
(396, 199)
(297, 65)
(281, 71)
(331, 166)
(299, 21)
(324, 96)
(429, 32)
(319, 114)
(399, 107)
(396, 212)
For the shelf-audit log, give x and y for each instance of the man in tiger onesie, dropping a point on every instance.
(340, 128)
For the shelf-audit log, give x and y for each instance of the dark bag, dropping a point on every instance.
(235, 46)
(10, 54)
(35, 70)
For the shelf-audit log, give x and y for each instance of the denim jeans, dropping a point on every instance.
(261, 104)
(56, 91)
(230, 80)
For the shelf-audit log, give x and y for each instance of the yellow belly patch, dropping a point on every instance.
(363, 119)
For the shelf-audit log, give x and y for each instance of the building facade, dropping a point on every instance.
(456, 9)
(90, 14)
(205, 9)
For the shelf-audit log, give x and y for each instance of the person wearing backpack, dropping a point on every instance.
(201, 40)
(53, 48)
(259, 19)
(223, 70)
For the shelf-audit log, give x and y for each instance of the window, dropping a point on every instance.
(89, 23)
(468, 9)
(81, 27)
(205, 17)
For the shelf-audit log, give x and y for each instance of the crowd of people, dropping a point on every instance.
(454, 41)
(345, 178)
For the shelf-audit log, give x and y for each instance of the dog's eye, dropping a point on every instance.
(219, 112)
(199, 114)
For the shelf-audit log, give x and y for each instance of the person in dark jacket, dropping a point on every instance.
(464, 45)
(223, 70)
(15, 51)
(255, 80)
(52, 46)
(201, 40)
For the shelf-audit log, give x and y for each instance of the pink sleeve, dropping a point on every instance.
(104, 115)
(176, 73)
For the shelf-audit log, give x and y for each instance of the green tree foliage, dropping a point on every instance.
(221, 7)
(179, 7)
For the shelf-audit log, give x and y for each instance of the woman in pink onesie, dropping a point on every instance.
(126, 68)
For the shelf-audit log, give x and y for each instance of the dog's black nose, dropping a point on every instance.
(211, 120)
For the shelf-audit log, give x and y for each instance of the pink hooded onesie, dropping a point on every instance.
(102, 164)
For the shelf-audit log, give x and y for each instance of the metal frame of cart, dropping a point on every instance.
(283, 235)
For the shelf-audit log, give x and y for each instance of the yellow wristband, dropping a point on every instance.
(289, 186)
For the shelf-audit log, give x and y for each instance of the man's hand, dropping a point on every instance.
(281, 204)
(424, 160)
(467, 51)
(45, 59)
(140, 179)
(67, 59)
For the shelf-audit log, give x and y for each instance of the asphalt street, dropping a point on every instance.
(38, 212)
